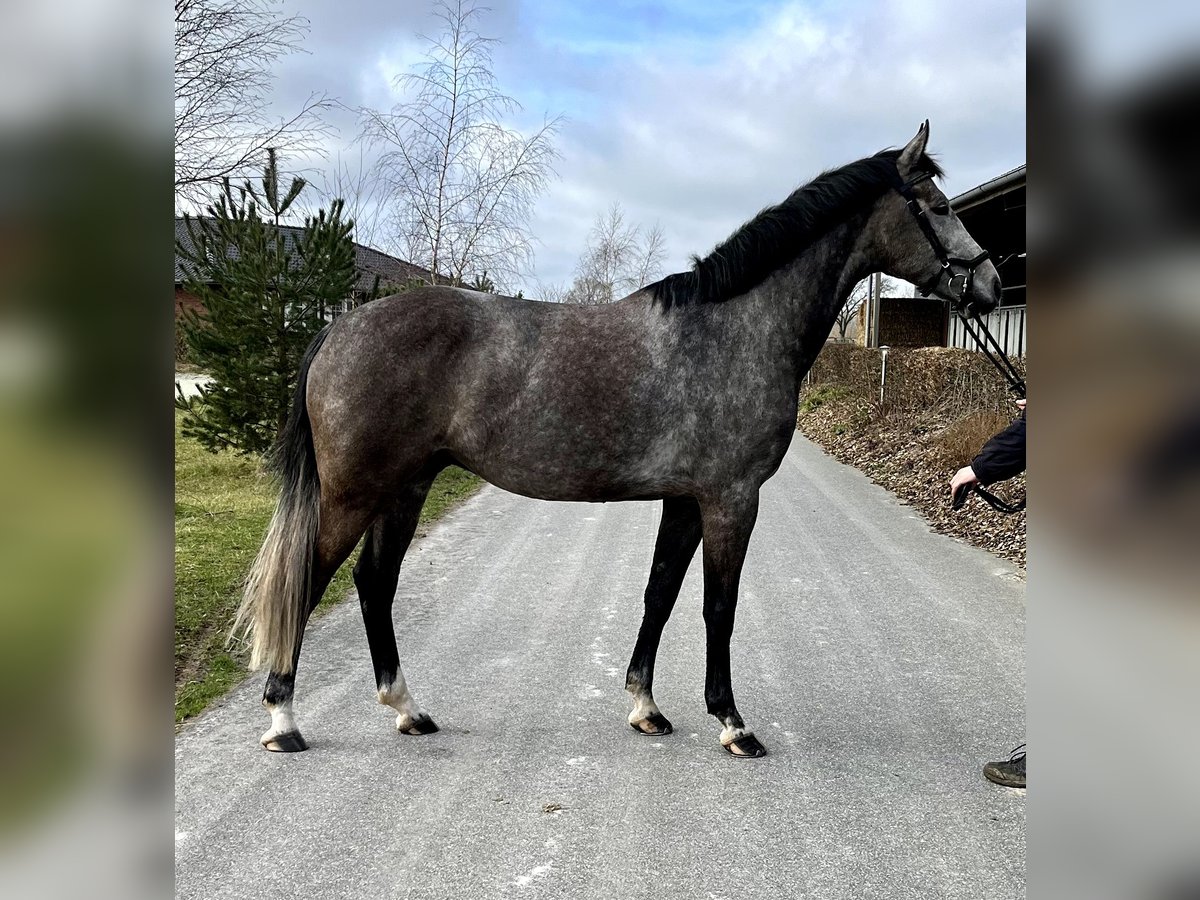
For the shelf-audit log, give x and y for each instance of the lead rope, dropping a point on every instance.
(960, 497)
(988, 343)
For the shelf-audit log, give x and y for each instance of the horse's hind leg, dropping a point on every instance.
(376, 574)
(678, 537)
(340, 526)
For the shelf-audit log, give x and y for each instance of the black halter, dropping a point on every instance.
(983, 338)
(905, 190)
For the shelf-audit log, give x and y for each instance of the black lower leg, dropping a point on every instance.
(727, 529)
(376, 575)
(678, 537)
(280, 687)
(718, 680)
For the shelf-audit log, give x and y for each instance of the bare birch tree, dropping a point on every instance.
(619, 259)
(463, 183)
(225, 54)
(648, 261)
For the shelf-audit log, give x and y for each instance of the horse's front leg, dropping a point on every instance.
(728, 522)
(678, 537)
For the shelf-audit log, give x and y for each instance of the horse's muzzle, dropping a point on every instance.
(985, 292)
(978, 290)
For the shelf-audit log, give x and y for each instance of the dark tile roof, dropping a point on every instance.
(367, 260)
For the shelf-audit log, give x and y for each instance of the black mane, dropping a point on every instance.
(780, 233)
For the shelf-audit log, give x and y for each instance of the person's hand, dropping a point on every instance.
(965, 475)
(1021, 403)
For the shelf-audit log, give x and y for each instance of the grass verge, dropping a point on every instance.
(222, 505)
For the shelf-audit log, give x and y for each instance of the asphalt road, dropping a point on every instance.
(880, 663)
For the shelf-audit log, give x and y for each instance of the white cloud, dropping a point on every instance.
(701, 146)
(696, 129)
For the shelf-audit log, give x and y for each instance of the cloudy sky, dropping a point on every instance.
(695, 113)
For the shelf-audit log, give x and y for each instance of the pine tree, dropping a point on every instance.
(266, 292)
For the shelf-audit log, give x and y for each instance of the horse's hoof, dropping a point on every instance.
(745, 747)
(655, 723)
(289, 742)
(422, 724)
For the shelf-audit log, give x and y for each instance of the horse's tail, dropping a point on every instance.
(272, 613)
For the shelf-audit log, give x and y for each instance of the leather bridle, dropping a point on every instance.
(983, 338)
(905, 190)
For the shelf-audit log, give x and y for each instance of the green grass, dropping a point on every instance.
(820, 395)
(222, 505)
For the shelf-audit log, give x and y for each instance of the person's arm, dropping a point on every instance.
(1003, 456)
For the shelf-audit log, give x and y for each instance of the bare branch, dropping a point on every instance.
(618, 260)
(365, 195)
(462, 184)
(851, 308)
(225, 55)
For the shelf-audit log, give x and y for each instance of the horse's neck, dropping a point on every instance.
(802, 299)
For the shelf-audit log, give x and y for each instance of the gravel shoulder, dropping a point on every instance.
(914, 456)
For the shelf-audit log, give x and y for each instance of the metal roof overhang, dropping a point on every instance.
(994, 214)
(1001, 184)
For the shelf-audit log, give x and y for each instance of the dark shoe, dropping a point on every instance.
(1008, 772)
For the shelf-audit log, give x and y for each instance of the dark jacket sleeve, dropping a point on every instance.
(1003, 456)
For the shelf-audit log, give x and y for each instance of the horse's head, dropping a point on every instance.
(924, 242)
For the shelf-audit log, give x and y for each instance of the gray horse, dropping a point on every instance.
(685, 392)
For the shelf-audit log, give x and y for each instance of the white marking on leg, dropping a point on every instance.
(643, 707)
(282, 721)
(398, 697)
(729, 734)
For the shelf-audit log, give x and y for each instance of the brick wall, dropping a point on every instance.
(185, 299)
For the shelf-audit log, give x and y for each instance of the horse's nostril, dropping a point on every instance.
(990, 298)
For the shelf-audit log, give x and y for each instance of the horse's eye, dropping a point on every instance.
(942, 209)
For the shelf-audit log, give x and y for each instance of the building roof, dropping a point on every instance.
(368, 261)
(1011, 180)
(994, 214)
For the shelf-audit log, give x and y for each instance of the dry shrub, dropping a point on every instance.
(951, 381)
(958, 443)
(941, 405)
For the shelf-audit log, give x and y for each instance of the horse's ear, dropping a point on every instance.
(914, 149)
